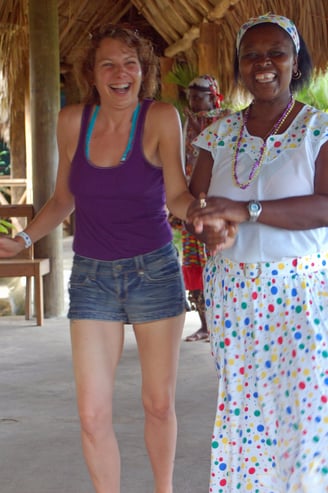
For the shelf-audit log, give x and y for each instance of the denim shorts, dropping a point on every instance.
(134, 290)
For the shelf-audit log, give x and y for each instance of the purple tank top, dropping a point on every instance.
(119, 211)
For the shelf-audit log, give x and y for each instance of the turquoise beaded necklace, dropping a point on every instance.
(132, 131)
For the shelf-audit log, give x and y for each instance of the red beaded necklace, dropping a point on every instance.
(258, 163)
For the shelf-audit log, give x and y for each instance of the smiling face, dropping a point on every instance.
(117, 72)
(267, 60)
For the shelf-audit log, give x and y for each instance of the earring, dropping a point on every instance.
(297, 75)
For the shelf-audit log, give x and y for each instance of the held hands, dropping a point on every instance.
(219, 235)
(215, 220)
(10, 247)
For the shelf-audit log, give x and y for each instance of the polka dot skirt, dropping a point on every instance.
(269, 340)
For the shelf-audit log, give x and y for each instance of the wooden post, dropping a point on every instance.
(208, 49)
(17, 138)
(45, 101)
(169, 91)
(28, 145)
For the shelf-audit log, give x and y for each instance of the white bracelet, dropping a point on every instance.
(26, 238)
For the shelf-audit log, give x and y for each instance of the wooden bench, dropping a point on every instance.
(24, 264)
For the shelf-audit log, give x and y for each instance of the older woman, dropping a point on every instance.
(265, 170)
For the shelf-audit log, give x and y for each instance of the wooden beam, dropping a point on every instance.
(221, 9)
(183, 44)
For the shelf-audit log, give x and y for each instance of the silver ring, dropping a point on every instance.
(202, 203)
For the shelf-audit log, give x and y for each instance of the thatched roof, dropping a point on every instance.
(174, 27)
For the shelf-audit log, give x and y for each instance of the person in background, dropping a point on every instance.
(204, 101)
(119, 165)
(265, 170)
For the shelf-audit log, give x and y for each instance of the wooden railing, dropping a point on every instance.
(5, 188)
(6, 184)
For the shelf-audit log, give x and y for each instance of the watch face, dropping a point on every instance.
(254, 207)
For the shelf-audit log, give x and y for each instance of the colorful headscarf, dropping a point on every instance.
(283, 22)
(207, 83)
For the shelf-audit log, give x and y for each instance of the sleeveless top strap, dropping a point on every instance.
(84, 126)
(137, 138)
(89, 130)
(132, 132)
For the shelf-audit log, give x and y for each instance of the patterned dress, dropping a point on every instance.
(193, 251)
(267, 312)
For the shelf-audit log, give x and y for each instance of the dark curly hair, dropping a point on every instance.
(304, 64)
(85, 61)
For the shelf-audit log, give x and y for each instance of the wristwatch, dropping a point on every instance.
(254, 209)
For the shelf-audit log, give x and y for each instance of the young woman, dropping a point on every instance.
(119, 165)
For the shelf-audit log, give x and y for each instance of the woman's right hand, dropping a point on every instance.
(10, 247)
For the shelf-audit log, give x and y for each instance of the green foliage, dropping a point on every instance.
(181, 74)
(5, 226)
(4, 170)
(177, 241)
(317, 93)
(4, 160)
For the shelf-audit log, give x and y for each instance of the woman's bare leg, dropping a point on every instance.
(96, 348)
(159, 346)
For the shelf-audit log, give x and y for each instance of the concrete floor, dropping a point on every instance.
(39, 429)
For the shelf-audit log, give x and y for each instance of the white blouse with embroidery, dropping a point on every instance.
(287, 170)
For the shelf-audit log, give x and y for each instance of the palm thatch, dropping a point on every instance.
(174, 27)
